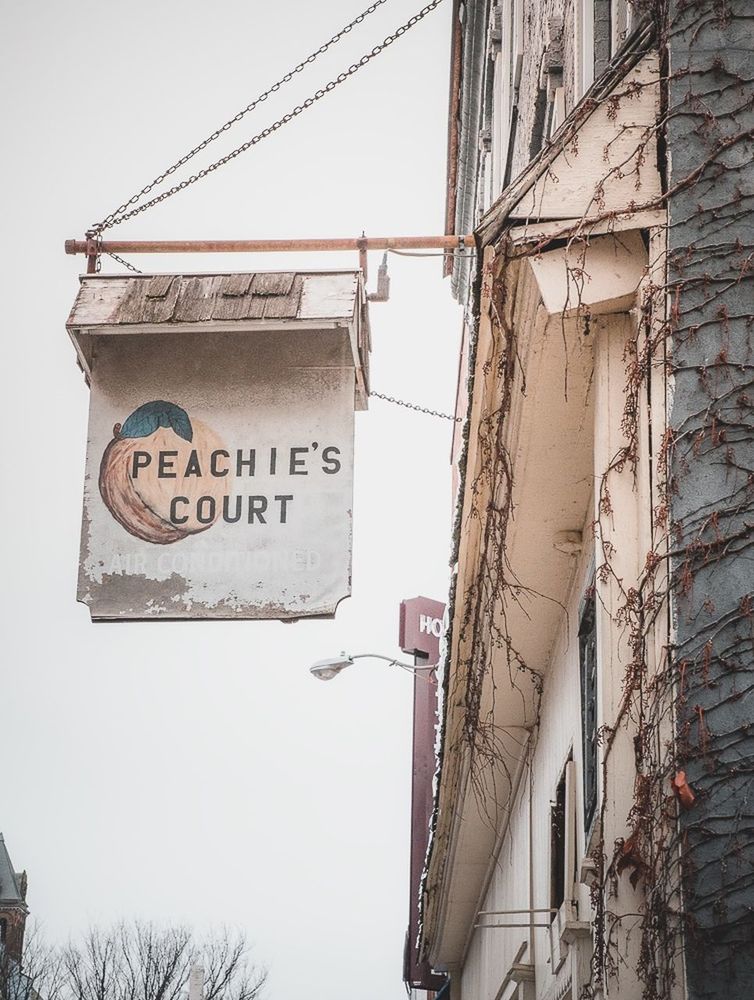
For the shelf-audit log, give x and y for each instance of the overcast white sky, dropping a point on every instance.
(196, 772)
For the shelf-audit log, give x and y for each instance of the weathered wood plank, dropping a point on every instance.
(537, 232)
(153, 300)
(234, 307)
(254, 306)
(273, 284)
(160, 285)
(601, 274)
(328, 295)
(284, 306)
(132, 306)
(196, 299)
(612, 167)
(98, 301)
(235, 284)
(159, 309)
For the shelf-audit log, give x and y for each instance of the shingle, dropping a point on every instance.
(273, 284)
(160, 299)
(131, 308)
(254, 306)
(196, 299)
(233, 306)
(158, 308)
(284, 306)
(235, 284)
(159, 285)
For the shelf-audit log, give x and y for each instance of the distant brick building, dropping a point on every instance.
(13, 908)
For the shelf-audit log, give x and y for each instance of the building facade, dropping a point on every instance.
(14, 985)
(592, 826)
(13, 908)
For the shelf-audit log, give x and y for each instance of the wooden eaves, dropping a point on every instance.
(550, 200)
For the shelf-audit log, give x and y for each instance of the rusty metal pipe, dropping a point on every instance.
(272, 246)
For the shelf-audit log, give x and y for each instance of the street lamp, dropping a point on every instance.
(325, 670)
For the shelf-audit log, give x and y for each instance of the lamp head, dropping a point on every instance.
(325, 670)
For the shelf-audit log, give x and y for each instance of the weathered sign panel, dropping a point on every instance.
(219, 473)
(421, 626)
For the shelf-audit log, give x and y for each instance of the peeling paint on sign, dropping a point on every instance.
(219, 474)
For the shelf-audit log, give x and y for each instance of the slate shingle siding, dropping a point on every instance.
(714, 315)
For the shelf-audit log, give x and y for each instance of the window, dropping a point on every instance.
(564, 926)
(602, 35)
(562, 839)
(588, 671)
(583, 48)
(556, 112)
(540, 127)
(486, 150)
(510, 62)
(3, 930)
(549, 108)
(557, 845)
(621, 17)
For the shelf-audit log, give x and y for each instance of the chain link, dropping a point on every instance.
(122, 213)
(414, 406)
(112, 218)
(128, 266)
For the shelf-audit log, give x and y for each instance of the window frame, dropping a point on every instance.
(583, 49)
(589, 685)
(510, 59)
(620, 23)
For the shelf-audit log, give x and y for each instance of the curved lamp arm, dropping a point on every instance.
(325, 670)
(412, 668)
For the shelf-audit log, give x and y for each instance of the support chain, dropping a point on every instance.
(418, 409)
(125, 263)
(121, 215)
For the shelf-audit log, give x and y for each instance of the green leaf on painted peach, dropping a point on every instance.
(159, 413)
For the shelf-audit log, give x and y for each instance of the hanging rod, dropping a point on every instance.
(93, 246)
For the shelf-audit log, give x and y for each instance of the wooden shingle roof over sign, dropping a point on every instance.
(219, 476)
(215, 302)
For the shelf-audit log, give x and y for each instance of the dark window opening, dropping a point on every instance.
(550, 126)
(3, 930)
(588, 671)
(603, 31)
(444, 993)
(541, 120)
(511, 145)
(489, 96)
(558, 845)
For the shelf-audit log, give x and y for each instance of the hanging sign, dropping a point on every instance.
(219, 473)
(421, 627)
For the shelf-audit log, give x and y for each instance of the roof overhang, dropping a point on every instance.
(496, 658)
(601, 166)
(245, 303)
(574, 212)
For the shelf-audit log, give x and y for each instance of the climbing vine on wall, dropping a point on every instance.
(687, 622)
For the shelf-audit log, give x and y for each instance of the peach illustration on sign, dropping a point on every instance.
(157, 455)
